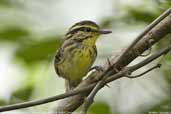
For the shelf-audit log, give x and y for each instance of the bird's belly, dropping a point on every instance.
(78, 63)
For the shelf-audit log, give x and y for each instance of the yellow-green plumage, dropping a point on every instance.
(77, 53)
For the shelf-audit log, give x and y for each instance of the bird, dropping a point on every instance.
(76, 55)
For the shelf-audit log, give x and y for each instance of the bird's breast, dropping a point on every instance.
(77, 62)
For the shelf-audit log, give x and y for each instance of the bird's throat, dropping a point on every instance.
(91, 41)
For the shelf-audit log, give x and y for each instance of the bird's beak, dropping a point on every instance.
(104, 31)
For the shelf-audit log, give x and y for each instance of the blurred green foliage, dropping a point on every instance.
(139, 14)
(145, 12)
(2, 102)
(162, 4)
(30, 50)
(163, 108)
(99, 108)
(23, 93)
(5, 3)
(13, 34)
(38, 50)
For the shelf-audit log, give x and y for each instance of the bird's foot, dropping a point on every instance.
(98, 68)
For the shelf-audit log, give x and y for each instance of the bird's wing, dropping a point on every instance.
(58, 56)
(58, 60)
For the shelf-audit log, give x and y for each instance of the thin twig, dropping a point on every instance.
(139, 75)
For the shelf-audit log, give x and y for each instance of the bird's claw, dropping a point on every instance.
(98, 68)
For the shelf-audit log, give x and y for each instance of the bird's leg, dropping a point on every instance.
(68, 85)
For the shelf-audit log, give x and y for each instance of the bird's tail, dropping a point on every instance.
(70, 85)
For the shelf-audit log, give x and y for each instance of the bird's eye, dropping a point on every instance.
(87, 29)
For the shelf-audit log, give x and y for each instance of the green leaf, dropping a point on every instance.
(107, 22)
(22, 93)
(163, 108)
(6, 3)
(13, 34)
(38, 50)
(99, 108)
(140, 15)
(2, 102)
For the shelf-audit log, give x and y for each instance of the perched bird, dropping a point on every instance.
(78, 52)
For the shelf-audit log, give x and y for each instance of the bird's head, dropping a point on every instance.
(86, 30)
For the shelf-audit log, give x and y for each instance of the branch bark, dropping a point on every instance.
(70, 104)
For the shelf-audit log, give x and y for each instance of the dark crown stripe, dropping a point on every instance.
(81, 29)
(85, 23)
